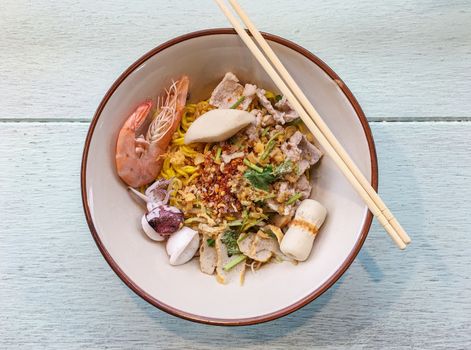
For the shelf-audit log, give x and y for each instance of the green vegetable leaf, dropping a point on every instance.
(270, 145)
(234, 262)
(218, 154)
(293, 198)
(238, 102)
(252, 224)
(261, 180)
(268, 175)
(265, 131)
(210, 242)
(252, 165)
(272, 97)
(229, 238)
(235, 223)
(284, 168)
(245, 218)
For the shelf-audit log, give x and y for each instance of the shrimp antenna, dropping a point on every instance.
(165, 114)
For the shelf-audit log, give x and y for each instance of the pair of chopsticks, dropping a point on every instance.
(314, 122)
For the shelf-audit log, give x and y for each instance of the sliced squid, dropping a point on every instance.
(149, 230)
(182, 245)
(161, 220)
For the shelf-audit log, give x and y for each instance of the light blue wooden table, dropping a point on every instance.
(407, 62)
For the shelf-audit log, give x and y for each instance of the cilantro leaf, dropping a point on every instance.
(268, 175)
(261, 180)
(229, 238)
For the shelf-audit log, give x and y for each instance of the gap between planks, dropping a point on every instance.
(370, 120)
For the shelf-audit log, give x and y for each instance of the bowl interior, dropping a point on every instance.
(184, 289)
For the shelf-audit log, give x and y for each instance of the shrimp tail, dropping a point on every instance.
(126, 150)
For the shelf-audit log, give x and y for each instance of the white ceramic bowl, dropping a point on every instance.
(113, 217)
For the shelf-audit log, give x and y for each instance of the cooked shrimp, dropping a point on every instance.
(138, 157)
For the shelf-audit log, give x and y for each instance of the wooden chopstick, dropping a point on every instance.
(319, 121)
(311, 125)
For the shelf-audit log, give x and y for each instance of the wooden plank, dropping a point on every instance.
(56, 291)
(401, 59)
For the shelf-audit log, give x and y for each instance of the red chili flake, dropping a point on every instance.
(218, 195)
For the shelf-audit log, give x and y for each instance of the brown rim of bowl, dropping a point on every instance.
(218, 321)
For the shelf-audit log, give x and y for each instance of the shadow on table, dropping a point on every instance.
(355, 305)
(242, 335)
(335, 309)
